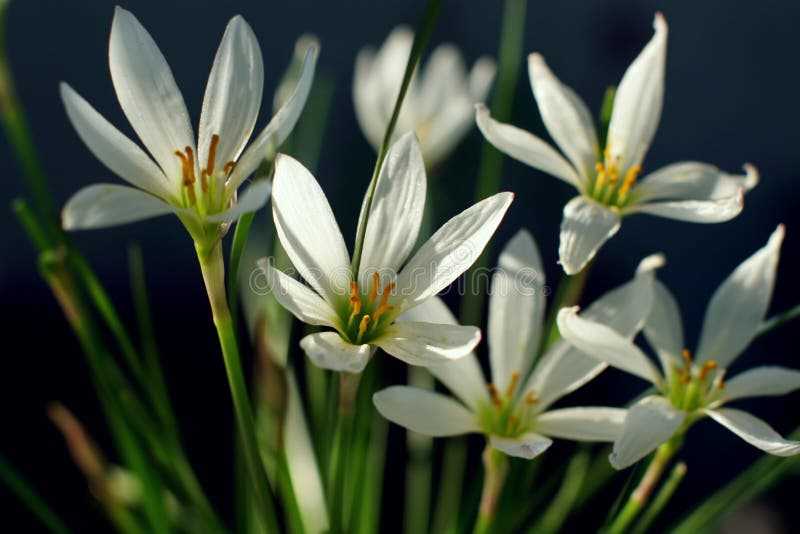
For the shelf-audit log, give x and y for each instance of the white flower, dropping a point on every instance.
(439, 103)
(363, 310)
(606, 178)
(688, 389)
(197, 182)
(515, 419)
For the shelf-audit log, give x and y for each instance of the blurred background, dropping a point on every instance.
(730, 99)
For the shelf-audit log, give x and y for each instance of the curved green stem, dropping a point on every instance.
(495, 465)
(661, 500)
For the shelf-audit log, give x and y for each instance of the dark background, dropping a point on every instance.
(732, 82)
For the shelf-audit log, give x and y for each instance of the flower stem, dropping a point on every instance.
(661, 500)
(213, 269)
(418, 469)
(641, 494)
(778, 320)
(495, 465)
(342, 441)
(571, 486)
(569, 292)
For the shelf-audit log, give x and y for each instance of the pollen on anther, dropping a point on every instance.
(708, 366)
(373, 290)
(531, 398)
(687, 356)
(512, 384)
(212, 154)
(362, 326)
(494, 394)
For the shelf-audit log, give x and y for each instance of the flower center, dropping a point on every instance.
(211, 197)
(690, 387)
(367, 315)
(505, 414)
(607, 188)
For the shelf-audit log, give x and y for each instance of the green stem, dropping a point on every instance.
(560, 507)
(418, 470)
(641, 494)
(568, 294)
(661, 500)
(495, 465)
(342, 441)
(448, 502)
(213, 269)
(779, 320)
(237, 248)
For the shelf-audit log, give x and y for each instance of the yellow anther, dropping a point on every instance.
(373, 291)
(187, 172)
(630, 179)
(512, 384)
(531, 398)
(719, 380)
(495, 396)
(228, 169)
(708, 366)
(362, 327)
(212, 154)
(601, 177)
(687, 357)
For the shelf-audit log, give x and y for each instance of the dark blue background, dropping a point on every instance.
(731, 97)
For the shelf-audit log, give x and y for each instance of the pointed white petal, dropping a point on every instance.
(251, 200)
(396, 211)
(308, 231)
(754, 431)
(462, 376)
(583, 424)
(562, 370)
(428, 343)
(481, 77)
(527, 446)
(525, 147)
(767, 381)
(121, 155)
(584, 229)
(739, 305)
(297, 298)
(698, 211)
(278, 129)
(649, 423)
(424, 411)
(443, 76)
(638, 102)
(367, 98)
(663, 329)
(233, 94)
(329, 351)
(450, 251)
(147, 92)
(565, 116)
(516, 309)
(605, 344)
(105, 205)
(690, 180)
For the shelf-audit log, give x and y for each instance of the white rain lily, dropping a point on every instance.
(607, 177)
(362, 309)
(690, 389)
(196, 181)
(439, 103)
(511, 411)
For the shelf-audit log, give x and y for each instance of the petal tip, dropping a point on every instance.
(752, 176)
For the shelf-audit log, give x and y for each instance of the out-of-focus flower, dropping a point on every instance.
(514, 415)
(690, 389)
(363, 309)
(196, 181)
(439, 104)
(607, 177)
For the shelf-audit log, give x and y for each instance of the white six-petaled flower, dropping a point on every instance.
(607, 177)
(363, 309)
(196, 181)
(439, 103)
(513, 411)
(690, 389)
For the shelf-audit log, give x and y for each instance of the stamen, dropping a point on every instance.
(687, 357)
(531, 398)
(362, 328)
(190, 163)
(373, 291)
(601, 177)
(212, 154)
(512, 384)
(384, 306)
(228, 169)
(719, 380)
(630, 179)
(204, 180)
(709, 366)
(187, 171)
(495, 396)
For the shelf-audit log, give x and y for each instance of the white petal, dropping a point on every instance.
(525, 147)
(368, 98)
(754, 431)
(396, 211)
(278, 129)
(562, 370)
(444, 74)
(450, 251)
(605, 344)
(105, 205)
(233, 94)
(583, 424)
(638, 102)
(739, 305)
(251, 200)
(424, 411)
(297, 298)
(698, 211)
(584, 229)
(663, 329)
(329, 351)
(147, 92)
(649, 423)
(427, 343)
(516, 309)
(452, 122)
(527, 446)
(308, 231)
(481, 77)
(690, 180)
(762, 382)
(462, 376)
(565, 116)
(121, 155)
